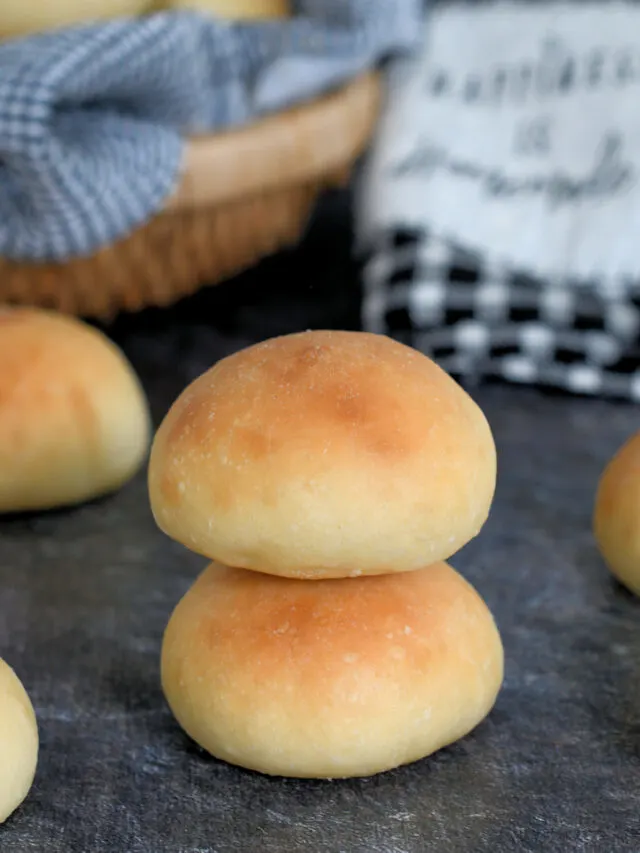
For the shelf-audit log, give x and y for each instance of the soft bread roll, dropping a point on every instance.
(312, 454)
(331, 678)
(616, 519)
(234, 9)
(25, 17)
(74, 422)
(18, 742)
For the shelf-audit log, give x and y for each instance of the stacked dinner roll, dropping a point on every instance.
(327, 476)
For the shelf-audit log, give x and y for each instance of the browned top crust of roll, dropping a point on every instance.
(322, 454)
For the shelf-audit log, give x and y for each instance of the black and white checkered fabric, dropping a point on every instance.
(479, 321)
(93, 118)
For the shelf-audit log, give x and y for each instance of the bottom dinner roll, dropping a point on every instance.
(18, 742)
(616, 517)
(330, 678)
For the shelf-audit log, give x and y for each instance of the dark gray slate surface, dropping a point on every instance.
(85, 595)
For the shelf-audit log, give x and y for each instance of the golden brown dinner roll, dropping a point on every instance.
(323, 454)
(234, 9)
(330, 678)
(24, 17)
(616, 518)
(18, 742)
(74, 422)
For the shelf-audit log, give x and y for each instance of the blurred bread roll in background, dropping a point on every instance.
(324, 454)
(74, 421)
(332, 678)
(616, 518)
(18, 742)
(234, 10)
(26, 17)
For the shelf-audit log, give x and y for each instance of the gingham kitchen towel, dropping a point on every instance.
(500, 211)
(92, 119)
(479, 319)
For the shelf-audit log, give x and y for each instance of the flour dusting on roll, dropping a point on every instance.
(322, 454)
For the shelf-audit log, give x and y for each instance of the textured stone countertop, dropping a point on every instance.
(85, 595)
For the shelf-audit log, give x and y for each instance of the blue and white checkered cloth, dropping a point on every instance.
(92, 119)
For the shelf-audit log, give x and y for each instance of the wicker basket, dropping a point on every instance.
(243, 195)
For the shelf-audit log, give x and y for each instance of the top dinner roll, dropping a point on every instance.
(323, 455)
(74, 422)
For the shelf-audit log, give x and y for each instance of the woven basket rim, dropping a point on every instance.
(242, 195)
(293, 147)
